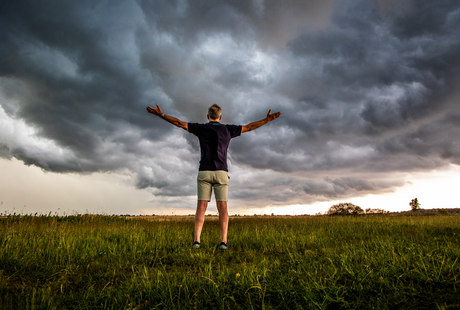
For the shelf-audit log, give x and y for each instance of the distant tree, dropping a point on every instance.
(345, 208)
(415, 205)
(376, 211)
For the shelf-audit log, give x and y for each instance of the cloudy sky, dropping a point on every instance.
(369, 93)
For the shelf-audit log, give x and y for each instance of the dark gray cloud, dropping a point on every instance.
(366, 89)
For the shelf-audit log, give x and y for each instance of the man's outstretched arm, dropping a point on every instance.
(175, 121)
(255, 125)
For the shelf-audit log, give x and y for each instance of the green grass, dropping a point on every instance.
(318, 262)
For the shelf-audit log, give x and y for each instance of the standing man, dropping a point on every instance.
(213, 171)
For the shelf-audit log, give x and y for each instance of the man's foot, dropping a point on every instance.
(196, 245)
(223, 246)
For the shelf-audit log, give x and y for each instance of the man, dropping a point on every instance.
(214, 139)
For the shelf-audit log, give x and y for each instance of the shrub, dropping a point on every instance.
(345, 208)
(376, 211)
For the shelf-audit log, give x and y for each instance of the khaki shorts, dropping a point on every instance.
(206, 180)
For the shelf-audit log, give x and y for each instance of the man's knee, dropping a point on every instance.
(201, 206)
(221, 206)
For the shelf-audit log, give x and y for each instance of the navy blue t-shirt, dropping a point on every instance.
(214, 140)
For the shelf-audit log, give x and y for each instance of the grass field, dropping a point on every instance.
(316, 262)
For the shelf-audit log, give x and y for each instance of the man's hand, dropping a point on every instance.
(156, 111)
(271, 117)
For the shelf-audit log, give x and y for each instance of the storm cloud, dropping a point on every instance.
(367, 89)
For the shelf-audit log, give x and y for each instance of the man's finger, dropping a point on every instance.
(269, 112)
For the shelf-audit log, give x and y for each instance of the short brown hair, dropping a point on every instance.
(214, 111)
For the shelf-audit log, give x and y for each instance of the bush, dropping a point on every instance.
(376, 211)
(345, 208)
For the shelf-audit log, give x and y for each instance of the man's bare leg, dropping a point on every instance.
(223, 220)
(201, 207)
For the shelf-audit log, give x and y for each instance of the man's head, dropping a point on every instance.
(214, 112)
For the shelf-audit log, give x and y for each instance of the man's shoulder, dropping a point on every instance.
(232, 126)
(234, 130)
(195, 126)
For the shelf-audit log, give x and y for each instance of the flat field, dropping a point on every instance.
(303, 262)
